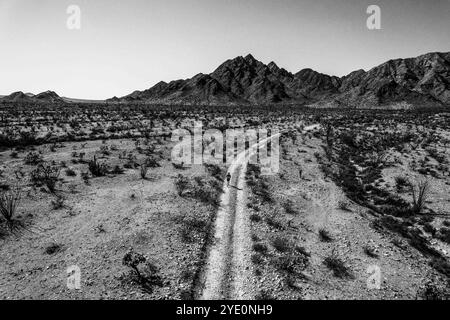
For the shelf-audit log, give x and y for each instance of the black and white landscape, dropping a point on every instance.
(247, 179)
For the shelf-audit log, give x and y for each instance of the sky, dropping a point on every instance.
(122, 46)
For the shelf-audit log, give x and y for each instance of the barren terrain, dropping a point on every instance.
(358, 210)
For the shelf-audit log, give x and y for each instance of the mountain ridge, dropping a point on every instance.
(423, 80)
(418, 81)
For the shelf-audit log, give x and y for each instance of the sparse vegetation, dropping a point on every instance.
(97, 169)
(9, 200)
(144, 272)
(420, 192)
(46, 174)
(339, 268)
(325, 235)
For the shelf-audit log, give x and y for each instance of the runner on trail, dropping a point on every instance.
(228, 179)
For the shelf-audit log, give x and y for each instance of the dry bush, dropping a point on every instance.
(344, 205)
(288, 207)
(97, 169)
(9, 200)
(181, 184)
(143, 168)
(260, 247)
(281, 244)
(33, 158)
(401, 183)
(58, 203)
(420, 193)
(47, 175)
(143, 272)
(325, 235)
(340, 270)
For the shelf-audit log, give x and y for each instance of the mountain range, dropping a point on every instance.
(420, 81)
(19, 96)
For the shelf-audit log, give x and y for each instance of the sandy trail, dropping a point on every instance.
(228, 273)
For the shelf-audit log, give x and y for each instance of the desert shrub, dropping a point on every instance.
(214, 170)
(178, 165)
(85, 177)
(117, 170)
(104, 150)
(344, 205)
(206, 193)
(192, 228)
(281, 244)
(33, 158)
(181, 183)
(58, 203)
(289, 207)
(257, 259)
(340, 270)
(260, 247)
(53, 248)
(253, 205)
(274, 223)
(9, 200)
(261, 189)
(152, 163)
(255, 217)
(257, 184)
(420, 192)
(370, 251)
(253, 170)
(97, 169)
(143, 272)
(47, 175)
(71, 172)
(444, 234)
(187, 275)
(302, 251)
(325, 235)
(289, 263)
(401, 183)
(143, 168)
(205, 190)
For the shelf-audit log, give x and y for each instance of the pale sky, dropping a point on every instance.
(130, 45)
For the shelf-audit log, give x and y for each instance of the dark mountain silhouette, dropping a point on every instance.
(17, 97)
(47, 96)
(420, 81)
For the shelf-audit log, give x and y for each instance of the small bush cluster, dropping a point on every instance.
(97, 169)
(143, 272)
(46, 175)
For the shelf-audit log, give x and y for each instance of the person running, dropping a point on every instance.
(228, 179)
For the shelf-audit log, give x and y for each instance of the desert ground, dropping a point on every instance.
(359, 209)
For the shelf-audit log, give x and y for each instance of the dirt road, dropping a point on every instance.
(228, 269)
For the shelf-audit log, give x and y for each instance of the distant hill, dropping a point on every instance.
(420, 81)
(19, 96)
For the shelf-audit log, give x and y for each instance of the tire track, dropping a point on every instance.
(227, 272)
